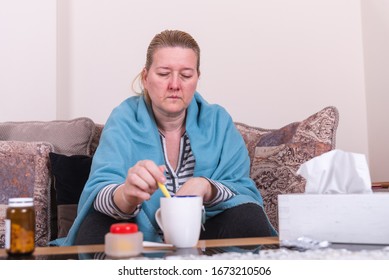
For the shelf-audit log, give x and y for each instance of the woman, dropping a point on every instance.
(169, 134)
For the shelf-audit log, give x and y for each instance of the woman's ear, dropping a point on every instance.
(144, 75)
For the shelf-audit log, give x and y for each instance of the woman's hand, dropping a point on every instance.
(140, 184)
(198, 186)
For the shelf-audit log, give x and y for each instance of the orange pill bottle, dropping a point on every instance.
(20, 226)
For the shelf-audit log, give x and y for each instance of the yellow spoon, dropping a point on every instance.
(162, 187)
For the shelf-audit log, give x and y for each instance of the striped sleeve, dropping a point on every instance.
(104, 203)
(223, 193)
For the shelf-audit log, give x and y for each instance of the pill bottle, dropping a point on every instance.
(20, 226)
(123, 240)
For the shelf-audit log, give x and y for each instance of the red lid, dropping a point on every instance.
(124, 228)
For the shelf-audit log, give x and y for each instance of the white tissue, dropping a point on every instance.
(336, 172)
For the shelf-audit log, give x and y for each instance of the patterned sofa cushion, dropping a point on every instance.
(276, 154)
(24, 172)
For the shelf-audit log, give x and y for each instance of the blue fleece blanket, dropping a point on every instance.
(130, 134)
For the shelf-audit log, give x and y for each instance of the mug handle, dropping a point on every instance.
(203, 217)
(158, 218)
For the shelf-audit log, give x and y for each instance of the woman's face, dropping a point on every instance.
(171, 80)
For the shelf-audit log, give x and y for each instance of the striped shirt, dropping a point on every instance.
(174, 180)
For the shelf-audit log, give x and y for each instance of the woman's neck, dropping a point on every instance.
(171, 125)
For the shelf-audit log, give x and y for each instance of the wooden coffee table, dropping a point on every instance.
(66, 251)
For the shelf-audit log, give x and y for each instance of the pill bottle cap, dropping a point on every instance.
(20, 201)
(122, 228)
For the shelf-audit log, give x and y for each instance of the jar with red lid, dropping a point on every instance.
(123, 240)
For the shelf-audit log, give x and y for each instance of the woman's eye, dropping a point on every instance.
(163, 74)
(186, 76)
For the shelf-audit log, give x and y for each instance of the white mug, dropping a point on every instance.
(180, 220)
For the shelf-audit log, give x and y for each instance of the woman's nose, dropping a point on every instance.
(174, 82)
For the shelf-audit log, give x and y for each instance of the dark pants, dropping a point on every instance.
(246, 220)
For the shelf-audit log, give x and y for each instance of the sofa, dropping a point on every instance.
(50, 161)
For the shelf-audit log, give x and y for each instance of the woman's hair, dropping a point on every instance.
(172, 38)
(168, 38)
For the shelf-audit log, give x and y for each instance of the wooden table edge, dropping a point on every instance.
(211, 243)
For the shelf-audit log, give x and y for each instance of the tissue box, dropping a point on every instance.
(338, 218)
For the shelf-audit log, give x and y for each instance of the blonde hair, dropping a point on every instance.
(167, 38)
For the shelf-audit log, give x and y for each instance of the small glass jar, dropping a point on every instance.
(20, 226)
(123, 240)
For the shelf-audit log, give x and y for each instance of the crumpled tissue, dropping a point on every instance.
(336, 172)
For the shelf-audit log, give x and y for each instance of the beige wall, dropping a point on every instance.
(28, 46)
(268, 62)
(376, 45)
